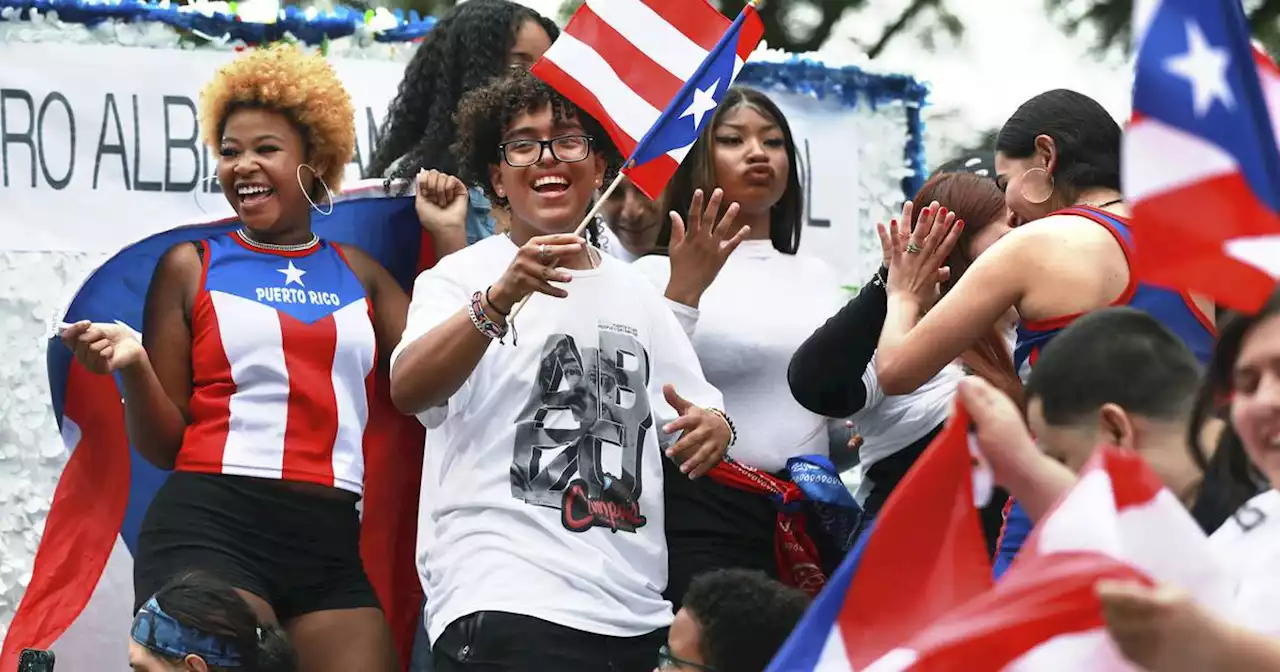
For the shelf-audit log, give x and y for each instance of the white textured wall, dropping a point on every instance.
(33, 289)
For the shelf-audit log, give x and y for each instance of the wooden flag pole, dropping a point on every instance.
(586, 221)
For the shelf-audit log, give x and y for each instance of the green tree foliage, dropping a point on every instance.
(805, 25)
(1111, 20)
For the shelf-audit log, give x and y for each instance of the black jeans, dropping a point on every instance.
(495, 641)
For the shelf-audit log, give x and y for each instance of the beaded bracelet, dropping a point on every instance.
(733, 430)
(482, 322)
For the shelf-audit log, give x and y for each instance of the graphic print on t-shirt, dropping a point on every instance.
(579, 439)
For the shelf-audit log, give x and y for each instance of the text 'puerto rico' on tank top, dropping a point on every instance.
(282, 355)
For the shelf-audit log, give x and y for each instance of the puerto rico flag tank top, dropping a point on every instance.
(283, 355)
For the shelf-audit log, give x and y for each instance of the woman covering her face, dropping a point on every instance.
(1058, 159)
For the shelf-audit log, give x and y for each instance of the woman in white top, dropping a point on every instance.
(745, 325)
(543, 536)
(834, 371)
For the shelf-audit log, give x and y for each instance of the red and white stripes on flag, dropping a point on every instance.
(624, 62)
(1206, 206)
(1043, 616)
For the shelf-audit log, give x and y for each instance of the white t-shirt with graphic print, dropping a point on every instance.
(542, 489)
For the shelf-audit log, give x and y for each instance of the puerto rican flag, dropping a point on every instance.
(1200, 160)
(80, 598)
(651, 72)
(1116, 523)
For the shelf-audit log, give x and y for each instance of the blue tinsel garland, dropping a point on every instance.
(310, 27)
(850, 85)
(853, 87)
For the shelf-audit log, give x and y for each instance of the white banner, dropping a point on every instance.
(100, 149)
(99, 144)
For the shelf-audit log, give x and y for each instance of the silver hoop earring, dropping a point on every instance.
(195, 193)
(316, 176)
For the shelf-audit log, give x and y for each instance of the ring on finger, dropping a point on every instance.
(912, 248)
(542, 251)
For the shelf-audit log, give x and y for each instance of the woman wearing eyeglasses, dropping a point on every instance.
(541, 543)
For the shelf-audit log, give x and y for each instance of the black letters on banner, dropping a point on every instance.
(8, 137)
(208, 181)
(71, 131)
(187, 143)
(139, 184)
(109, 109)
(373, 138)
(808, 191)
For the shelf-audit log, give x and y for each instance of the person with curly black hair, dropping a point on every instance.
(541, 535)
(475, 42)
(199, 623)
(733, 620)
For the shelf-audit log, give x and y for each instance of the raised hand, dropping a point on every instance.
(103, 348)
(699, 249)
(704, 439)
(441, 201)
(534, 269)
(916, 257)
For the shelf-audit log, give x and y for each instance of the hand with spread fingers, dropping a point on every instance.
(699, 247)
(536, 266)
(704, 435)
(103, 348)
(917, 256)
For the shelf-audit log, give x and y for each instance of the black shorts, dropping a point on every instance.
(496, 641)
(714, 526)
(300, 552)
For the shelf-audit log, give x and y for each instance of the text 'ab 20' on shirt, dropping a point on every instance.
(542, 484)
(282, 359)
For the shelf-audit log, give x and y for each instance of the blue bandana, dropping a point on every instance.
(162, 634)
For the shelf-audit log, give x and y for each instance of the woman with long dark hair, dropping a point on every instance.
(1058, 159)
(469, 46)
(747, 301)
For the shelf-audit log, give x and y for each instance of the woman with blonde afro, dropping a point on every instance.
(251, 382)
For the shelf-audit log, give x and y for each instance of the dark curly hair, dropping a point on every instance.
(485, 113)
(744, 616)
(466, 49)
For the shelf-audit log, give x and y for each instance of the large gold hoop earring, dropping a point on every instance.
(1022, 189)
(324, 184)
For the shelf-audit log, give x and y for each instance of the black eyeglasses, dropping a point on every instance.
(666, 662)
(565, 149)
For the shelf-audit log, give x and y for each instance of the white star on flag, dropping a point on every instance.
(1205, 68)
(703, 102)
(292, 274)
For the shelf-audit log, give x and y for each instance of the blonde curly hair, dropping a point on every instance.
(302, 86)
